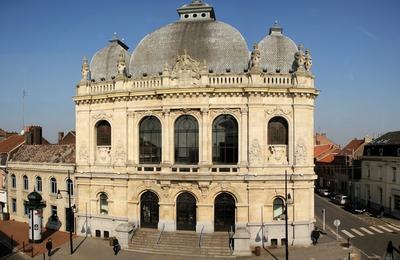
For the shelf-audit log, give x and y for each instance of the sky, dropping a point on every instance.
(354, 46)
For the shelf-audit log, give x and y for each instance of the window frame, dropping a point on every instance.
(103, 204)
(150, 140)
(38, 180)
(25, 182)
(13, 181)
(230, 140)
(278, 131)
(184, 134)
(53, 185)
(103, 133)
(274, 209)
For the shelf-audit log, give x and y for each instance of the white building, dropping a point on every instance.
(380, 183)
(192, 131)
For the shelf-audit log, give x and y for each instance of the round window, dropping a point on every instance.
(194, 15)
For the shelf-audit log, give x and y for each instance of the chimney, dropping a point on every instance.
(60, 136)
(33, 135)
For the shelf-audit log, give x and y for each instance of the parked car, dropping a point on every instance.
(323, 192)
(354, 207)
(340, 199)
(333, 195)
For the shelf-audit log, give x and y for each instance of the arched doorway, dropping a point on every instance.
(186, 212)
(224, 212)
(149, 210)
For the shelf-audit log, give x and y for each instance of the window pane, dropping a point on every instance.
(277, 131)
(186, 140)
(150, 140)
(225, 140)
(103, 133)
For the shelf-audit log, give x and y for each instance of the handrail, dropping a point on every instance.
(159, 236)
(201, 236)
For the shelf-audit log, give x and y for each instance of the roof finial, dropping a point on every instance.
(115, 36)
(196, 1)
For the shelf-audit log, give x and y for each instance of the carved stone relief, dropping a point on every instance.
(277, 154)
(119, 154)
(301, 153)
(285, 111)
(104, 154)
(83, 152)
(102, 115)
(186, 69)
(255, 152)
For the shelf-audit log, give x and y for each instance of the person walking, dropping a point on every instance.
(49, 247)
(116, 246)
(315, 236)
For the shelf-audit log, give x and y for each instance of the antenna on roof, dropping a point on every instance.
(23, 108)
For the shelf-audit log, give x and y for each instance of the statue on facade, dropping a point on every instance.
(121, 66)
(255, 59)
(85, 70)
(307, 60)
(186, 65)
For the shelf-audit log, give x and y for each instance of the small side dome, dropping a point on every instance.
(277, 51)
(104, 64)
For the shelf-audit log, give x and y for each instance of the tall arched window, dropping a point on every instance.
(186, 140)
(53, 185)
(278, 208)
(13, 181)
(103, 204)
(277, 131)
(70, 186)
(150, 140)
(103, 131)
(25, 182)
(225, 140)
(38, 184)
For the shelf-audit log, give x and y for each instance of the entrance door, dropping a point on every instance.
(149, 210)
(224, 212)
(69, 222)
(186, 212)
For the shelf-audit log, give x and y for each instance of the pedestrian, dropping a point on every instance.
(116, 246)
(381, 211)
(231, 240)
(315, 236)
(49, 246)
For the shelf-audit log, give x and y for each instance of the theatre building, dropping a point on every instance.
(193, 131)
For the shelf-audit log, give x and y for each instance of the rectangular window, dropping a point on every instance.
(26, 186)
(368, 172)
(26, 210)
(14, 205)
(394, 174)
(53, 213)
(396, 205)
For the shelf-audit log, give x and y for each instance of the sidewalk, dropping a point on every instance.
(91, 248)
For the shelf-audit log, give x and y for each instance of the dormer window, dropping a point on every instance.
(196, 10)
(380, 151)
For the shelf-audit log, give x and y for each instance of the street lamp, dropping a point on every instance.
(70, 214)
(288, 199)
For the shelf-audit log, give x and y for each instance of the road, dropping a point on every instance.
(370, 235)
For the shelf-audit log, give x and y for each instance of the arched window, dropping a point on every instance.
(150, 140)
(70, 186)
(53, 185)
(277, 131)
(25, 182)
(13, 181)
(278, 208)
(38, 184)
(225, 140)
(103, 130)
(186, 140)
(103, 204)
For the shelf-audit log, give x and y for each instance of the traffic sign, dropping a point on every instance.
(336, 222)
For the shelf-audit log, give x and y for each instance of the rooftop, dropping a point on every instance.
(390, 138)
(11, 143)
(45, 154)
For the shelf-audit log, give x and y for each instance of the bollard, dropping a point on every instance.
(348, 243)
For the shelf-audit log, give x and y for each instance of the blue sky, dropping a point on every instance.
(354, 45)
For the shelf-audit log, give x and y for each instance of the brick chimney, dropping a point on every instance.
(60, 136)
(33, 135)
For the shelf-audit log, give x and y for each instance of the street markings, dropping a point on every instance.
(366, 231)
(393, 227)
(357, 232)
(347, 233)
(384, 228)
(371, 230)
(376, 230)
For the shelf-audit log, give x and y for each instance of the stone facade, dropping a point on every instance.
(188, 86)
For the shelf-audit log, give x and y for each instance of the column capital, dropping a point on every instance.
(166, 111)
(204, 110)
(244, 110)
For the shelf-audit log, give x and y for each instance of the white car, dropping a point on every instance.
(323, 192)
(341, 199)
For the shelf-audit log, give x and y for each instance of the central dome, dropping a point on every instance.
(197, 33)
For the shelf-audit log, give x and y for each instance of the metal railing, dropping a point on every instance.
(159, 236)
(201, 236)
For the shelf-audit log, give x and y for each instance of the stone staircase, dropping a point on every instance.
(181, 243)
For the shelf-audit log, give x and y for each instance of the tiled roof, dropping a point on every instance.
(320, 149)
(329, 157)
(45, 154)
(68, 138)
(351, 147)
(11, 143)
(388, 138)
(322, 139)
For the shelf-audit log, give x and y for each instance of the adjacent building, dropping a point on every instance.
(379, 187)
(325, 151)
(192, 131)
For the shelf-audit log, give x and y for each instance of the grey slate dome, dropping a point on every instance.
(104, 62)
(203, 38)
(277, 51)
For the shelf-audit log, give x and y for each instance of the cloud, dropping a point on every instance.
(367, 33)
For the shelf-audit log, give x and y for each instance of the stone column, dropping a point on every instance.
(135, 139)
(130, 138)
(204, 140)
(243, 158)
(166, 141)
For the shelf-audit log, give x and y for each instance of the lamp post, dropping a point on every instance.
(68, 190)
(288, 199)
